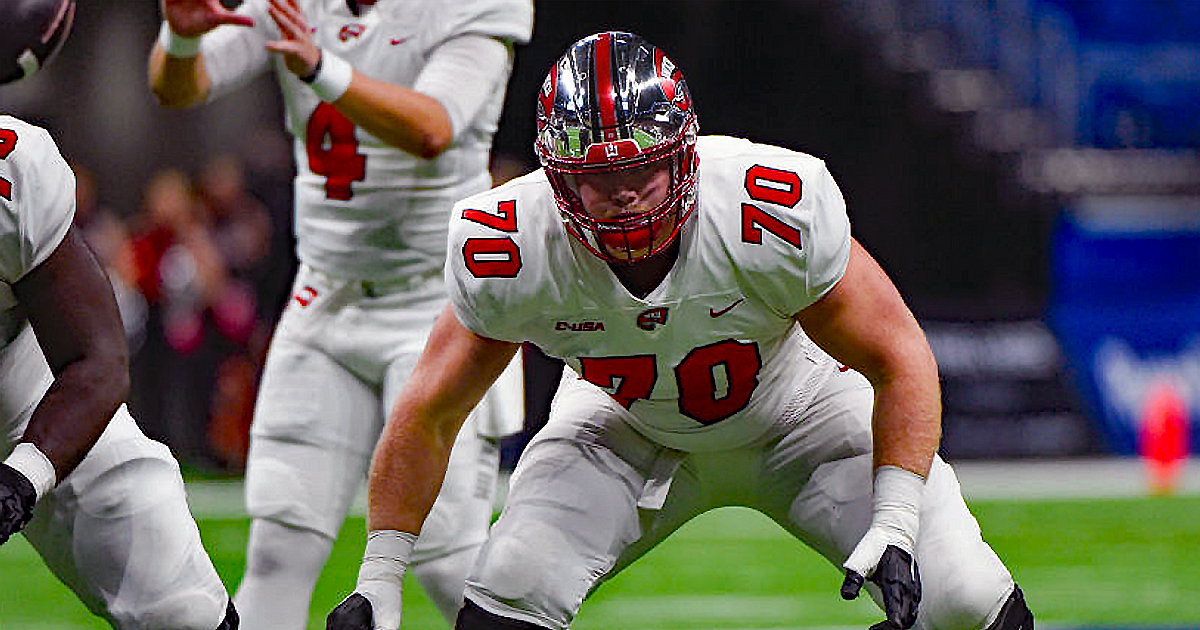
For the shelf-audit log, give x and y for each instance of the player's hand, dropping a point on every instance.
(378, 594)
(899, 580)
(358, 612)
(354, 613)
(17, 498)
(299, 51)
(193, 18)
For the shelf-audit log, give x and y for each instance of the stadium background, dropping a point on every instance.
(1026, 170)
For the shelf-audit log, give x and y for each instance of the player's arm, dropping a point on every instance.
(864, 323)
(70, 304)
(453, 373)
(450, 378)
(71, 307)
(457, 79)
(176, 71)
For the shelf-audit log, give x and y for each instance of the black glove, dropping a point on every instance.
(17, 498)
(354, 613)
(897, 577)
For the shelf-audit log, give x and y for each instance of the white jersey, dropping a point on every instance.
(37, 205)
(710, 358)
(365, 208)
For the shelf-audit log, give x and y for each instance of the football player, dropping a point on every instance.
(731, 344)
(392, 106)
(101, 503)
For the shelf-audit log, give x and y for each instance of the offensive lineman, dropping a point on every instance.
(392, 106)
(100, 502)
(708, 295)
(103, 504)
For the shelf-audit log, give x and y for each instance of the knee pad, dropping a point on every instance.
(472, 617)
(230, 622)
(279, 551)
(1015, 614)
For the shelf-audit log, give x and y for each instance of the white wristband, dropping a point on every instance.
(897, 503)
(177, 45)
(386, 557)
(381, 576)
(333, 77)
(29, 460)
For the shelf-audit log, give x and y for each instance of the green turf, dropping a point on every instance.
(1103, 562)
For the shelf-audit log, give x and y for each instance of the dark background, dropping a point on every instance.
(957, 238)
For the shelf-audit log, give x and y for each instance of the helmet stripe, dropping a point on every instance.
(603, 61)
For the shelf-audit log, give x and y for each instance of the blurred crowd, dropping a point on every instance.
(201, 270)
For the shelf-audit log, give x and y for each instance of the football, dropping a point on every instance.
(31, 31)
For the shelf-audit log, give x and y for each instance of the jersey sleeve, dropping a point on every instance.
(497, 276)
(478, 294)
(790, 278)
(234, 55)
(463, 74)
(40, 201)
(829, 252)
(509, 20)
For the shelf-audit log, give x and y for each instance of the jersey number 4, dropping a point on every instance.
(333, 151)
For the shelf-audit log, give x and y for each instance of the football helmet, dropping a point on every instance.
(31, 32)
(614, 102)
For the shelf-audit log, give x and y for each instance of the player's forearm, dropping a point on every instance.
(177, 82)
(406, 119)
(906, 422)
(406, 475)
(77, 408)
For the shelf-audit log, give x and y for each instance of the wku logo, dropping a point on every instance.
(305, 296)
(652, 318)
(351, 30)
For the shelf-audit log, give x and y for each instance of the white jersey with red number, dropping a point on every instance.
(37, 205)
(365, 208)
(712, 357)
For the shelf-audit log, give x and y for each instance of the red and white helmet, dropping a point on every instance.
(613, 102)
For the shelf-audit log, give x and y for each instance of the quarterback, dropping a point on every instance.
(392, 106)
(730, 343)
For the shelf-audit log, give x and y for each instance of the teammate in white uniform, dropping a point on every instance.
(393, 106)
(103, 504)
(711, 301)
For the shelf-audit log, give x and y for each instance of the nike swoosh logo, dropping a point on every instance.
(397, 42)
(712, 313)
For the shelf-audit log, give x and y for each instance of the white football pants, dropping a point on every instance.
(591, 495)
(117, 530)
(340, 355)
